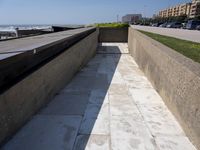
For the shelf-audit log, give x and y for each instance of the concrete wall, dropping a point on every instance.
(113, 34)
(21, 101)
(174, 76)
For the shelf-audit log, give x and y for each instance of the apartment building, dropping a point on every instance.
(189, 9)
(195, 8)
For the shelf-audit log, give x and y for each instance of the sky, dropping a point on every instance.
(76, 11)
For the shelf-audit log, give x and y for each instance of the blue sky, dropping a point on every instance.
(76, 11)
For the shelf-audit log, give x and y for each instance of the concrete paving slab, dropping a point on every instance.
(46, 133)
(92, 142)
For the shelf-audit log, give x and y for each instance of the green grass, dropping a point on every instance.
(114, 25)
(187, 48)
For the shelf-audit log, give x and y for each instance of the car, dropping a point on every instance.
(157, 24)
(198, 27)
(164, 25)
(174, 25)
(192, 24)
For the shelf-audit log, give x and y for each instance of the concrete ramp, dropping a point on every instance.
(109, 105)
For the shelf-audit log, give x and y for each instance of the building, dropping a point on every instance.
(191, 10)
(131, 18)
(195, 8)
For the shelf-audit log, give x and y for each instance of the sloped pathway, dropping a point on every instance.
(109, 105)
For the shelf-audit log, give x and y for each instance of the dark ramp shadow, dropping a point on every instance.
(97, 77)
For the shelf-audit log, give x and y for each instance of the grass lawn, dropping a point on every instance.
(114, 25)
(187, 48)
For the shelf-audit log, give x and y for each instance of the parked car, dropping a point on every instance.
(174, 25)
(198, 27)
(192, 24)
(184, 25)
(164, 25)
(156, 24)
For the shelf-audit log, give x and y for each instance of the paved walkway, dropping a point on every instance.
(109, 105)
(190, 35)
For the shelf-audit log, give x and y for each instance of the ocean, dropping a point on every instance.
(29, 27)
(23, 27)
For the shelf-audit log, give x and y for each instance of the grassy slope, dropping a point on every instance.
(187, 48)
(115, 25)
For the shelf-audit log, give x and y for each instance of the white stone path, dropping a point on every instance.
(109, 105)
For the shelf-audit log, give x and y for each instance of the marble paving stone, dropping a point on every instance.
(66, 104)
(99, 125)
(118, 89)
(160, 120)
(99, 81)
(82, 83)
(99, 97)
(137, 82)
(92, 142)
(130, 133)
(46, 133)
(122, 105)
(174, 143)
(115, 78)
(93, 110)
(150, 96)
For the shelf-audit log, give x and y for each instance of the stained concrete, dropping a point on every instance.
(123, 111)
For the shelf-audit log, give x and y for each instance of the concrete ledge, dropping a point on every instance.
(22, 100)
(113, 34)
(19, 56)
(174, 76)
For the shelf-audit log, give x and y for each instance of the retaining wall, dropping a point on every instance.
(108, 34)
(175, 77)
(26, 97)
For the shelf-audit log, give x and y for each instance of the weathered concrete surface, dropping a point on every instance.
(113, 34)
(175, 77)
(190, 35)
(123, 111)
(22, 100)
